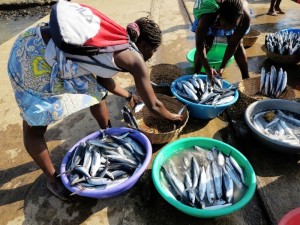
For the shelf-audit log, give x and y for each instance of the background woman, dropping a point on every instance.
(230, 18)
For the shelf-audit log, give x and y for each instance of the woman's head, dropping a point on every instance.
(230, 13)
(146, 34)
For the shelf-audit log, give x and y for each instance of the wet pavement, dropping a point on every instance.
(24, 198)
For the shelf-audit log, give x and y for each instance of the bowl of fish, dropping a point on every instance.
(157, 130)
(214, 56)
(203, 177)
(106, 163)
(276, 123)
(283, 47)
(203, 99)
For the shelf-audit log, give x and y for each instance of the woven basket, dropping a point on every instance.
(164, 74)
(250, 38)
(281, 59)
(249, 93)
(158, 130)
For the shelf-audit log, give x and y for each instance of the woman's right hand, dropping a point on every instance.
(175, 117)
(212, 72)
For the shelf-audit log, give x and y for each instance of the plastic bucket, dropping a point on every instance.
(122, 187)
(207, 143)
(291, 218)
(201, 111)
(214, 56)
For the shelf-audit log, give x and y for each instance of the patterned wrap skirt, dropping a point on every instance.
(40, 103)
(212, 31)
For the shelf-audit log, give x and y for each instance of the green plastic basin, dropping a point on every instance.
(214, 56)
(182, 144)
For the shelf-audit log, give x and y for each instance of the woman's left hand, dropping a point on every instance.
(135, 99)
(220, 72)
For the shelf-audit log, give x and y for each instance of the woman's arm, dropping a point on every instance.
(200, 58)
(134, 64)
(110, 85)
(236, 38)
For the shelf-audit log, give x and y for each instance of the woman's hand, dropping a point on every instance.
(220, 72)
(176, 117)
(211, 74)
(133, 100)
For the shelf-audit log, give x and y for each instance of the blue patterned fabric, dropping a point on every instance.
(212, 31)
(42, 96)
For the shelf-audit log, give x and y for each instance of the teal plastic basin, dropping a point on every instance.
(214, 56)
(182, 144)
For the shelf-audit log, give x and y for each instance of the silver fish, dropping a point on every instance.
(225, 100)
(210, 189)
(189, 85)
(217, 177)
(195, 172)
(228, 185)
(237, 167)
(138, 107)
(234, 176)
(189, 187)
(96, 157)
(279, 82)
(288, 118)
(190, 92)
(202, 184)
(267, 84)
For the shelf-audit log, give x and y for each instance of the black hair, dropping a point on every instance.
(149, 32)
(230, 10)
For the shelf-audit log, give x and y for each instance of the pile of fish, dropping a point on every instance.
(104, 162)
(283, 42)
(198, 91)
(278, 125)
(272, 83)
(205, 179)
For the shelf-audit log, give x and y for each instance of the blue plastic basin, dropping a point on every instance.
(122, 187)
(201, 111)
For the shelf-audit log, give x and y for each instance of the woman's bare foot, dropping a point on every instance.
(272, 13)
(56, 187)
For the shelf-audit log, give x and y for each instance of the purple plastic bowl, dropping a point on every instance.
(122, 187)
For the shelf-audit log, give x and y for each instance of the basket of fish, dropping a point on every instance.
(158, 130)
(203, 99)
(283, 47)
(250, 38)
(162, 75)
(271, 84)
(106, 163)
(276, 123)
(203, 177)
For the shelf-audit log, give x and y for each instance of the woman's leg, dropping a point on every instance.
(277, 7)
(101, 114)
(35, 144)
(272, 11)
(241, 59)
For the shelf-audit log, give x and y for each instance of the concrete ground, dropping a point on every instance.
(24, 198)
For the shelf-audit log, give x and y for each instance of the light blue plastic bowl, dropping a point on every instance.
(201, 111)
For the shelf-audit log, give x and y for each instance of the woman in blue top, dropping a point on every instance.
(230, 18)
